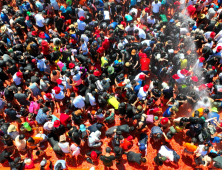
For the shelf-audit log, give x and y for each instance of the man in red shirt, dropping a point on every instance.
(144, 63)
(64, 118)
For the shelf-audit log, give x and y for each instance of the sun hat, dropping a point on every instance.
(11, 128)
(62, 138)
(145, 88)
(82, 128)
(133, 52)
(93, 155)
(42, 35)
(110, 70)
(194, 78)
(82, 18)
(48, 95)
(3, 28)
(164, 121)
(120, 26)
(56, 123)
(142, 77)
(59, 81)
(214, 109)
(201, 16)
(175, 76)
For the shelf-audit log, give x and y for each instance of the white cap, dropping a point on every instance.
(77, 68)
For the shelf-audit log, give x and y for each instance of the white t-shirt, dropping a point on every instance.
(106, 15)
(137, 77)
(142, 34)
(201, 151)
(150, 21)
(147, 42)
(133, 10)
(183, 31)
(45, 126)
(64, 147)
(92, 99)
(128, 28)
(78, 102)
(156, 7)
(142, 94)
(81, 25)
(84, 47)
(39, 20)
(81, 12)
(207, 34)
(86, 39)
(165, 151)
(16, 79)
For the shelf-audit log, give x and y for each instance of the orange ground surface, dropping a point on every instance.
(185, 163)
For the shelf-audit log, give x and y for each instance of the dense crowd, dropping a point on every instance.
(69, 70)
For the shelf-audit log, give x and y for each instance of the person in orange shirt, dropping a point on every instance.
(34, 142)
(126, 143)
(190, 147)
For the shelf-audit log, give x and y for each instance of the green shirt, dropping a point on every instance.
(110, 118)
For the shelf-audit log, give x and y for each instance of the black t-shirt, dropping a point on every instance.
(134, 157)
(59, 23)
(101, 100)
(107, 161)
(21, 21)
(9, 95)
(2, 156)
(11, 113)
(124, 128)
(21, 97)
(95, 127)
(35, 79)
(12, 70)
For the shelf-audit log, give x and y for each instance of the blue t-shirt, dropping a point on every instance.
(137, 87)
(133, 2)
(113, 25)
(4, 18)
(39, 6)
(167, 113)
(129, 18)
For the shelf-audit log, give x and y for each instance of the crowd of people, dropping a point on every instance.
(76, 73)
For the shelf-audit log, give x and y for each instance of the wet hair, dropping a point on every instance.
(22, 136)
(136, 31)
(69, 126)
(194, 140)
(206, 111)
(9, 105)
(108, 149)
(143, 160)
(206, 148)
(131, 128)
(54, 72)
(196, 113)
(31, 140)
(217, 165)
(58, 166)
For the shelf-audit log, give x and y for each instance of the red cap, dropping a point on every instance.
(59, 81)
(212, 34)
(63, 17)
(175, 76)
(210, 85)
(145, 88)
(48, 95)
(123, 23)
(194, 78)
(147, 9)
(129, 138)
(202, 87)
(82, 18)
(164, 121)
(219, 48)
(71, 65)
(213, 67)
(94, 155)
(19, 74)
(183, 71)
(33, 60)
(34, 33)
(44, 43)
(56, 123)
(97, 73)
(27, 17)
(201, 59)
(142, 77)
(41, 35)
(56, 89)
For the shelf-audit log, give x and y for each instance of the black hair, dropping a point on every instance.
(217, 165)
(9, 105)
(58, 166)
(143, 160)
(196, 113)
(136, 31)
(31, 140)
(194, 140)
(22, 136)
(54, 72)
(108, 149)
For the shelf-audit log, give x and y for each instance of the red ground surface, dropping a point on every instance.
(185, 163)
